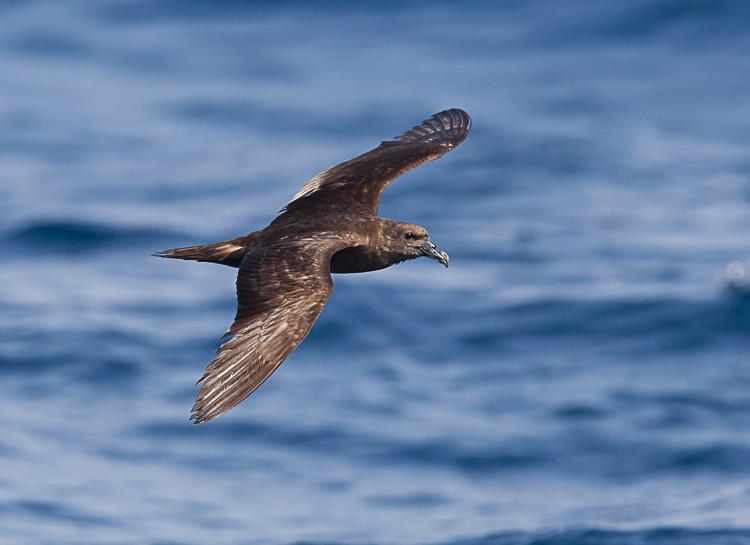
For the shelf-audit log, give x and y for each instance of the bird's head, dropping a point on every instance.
(407, 241)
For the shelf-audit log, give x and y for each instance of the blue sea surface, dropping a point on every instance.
(580, 375)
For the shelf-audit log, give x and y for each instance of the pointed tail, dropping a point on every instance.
(227, 252)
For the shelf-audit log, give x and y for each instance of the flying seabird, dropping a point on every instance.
(331, 225)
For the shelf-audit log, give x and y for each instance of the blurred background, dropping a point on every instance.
(579, 375)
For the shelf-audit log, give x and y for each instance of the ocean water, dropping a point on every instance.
(578, 376)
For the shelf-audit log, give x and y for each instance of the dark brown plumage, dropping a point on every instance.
(329, 226)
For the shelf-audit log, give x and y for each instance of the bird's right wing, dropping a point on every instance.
(357, 184)
(281, 290)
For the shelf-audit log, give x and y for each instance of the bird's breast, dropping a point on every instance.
(359, 259)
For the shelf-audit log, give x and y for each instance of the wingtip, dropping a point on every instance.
(198, 416)
(459, 116)
(204, 411)
(453, 119)
(448, 127)
(202, 416)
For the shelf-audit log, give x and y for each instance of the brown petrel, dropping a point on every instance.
(331, 225)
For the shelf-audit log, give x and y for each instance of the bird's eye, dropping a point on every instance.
(409, 235)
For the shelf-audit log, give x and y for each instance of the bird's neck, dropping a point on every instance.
(375, 252)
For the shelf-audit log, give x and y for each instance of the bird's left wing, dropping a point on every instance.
(281, 290)
(357, 184)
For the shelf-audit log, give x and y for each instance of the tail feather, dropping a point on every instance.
(228, 252)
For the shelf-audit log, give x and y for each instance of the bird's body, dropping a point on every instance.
(330, 226)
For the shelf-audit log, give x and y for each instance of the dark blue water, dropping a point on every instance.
(580, 375)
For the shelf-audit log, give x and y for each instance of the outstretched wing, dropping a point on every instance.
(281, 290)
(357, 184)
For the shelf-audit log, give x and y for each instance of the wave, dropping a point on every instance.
(657, 536)
(66, 236)
(583, 536)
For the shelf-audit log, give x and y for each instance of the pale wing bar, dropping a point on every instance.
(281, 290)
(359, 182)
